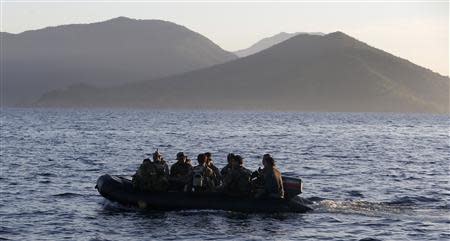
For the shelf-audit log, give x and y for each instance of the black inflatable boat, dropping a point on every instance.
(119, 189)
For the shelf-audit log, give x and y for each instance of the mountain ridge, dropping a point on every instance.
(106, 53)
(268, 42)
(289, 76)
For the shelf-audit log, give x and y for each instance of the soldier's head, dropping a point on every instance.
(181, 156)
(201, 159)
(146, 161)
(237, 161)
(208, 157)
(157, 156)
(230, 158)
(268, 161)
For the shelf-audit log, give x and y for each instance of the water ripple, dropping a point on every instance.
(368, 176)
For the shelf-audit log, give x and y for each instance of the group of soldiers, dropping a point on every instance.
(234, 179)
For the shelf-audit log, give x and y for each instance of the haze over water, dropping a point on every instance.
(370, 176)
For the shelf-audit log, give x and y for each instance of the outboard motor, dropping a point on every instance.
(292, 185)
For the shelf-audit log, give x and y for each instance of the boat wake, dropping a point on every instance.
(116, 207)
(407, 205)
(359, 207)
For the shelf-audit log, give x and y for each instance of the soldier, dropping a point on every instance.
(140, 180)
(152, 176)
(203, 176)
(227, 168)
(209, 162)
(270, 178)
(238, 180)
(160, 162)
(180, 173)
(162, 172)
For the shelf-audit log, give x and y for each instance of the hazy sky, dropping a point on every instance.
(417, 31)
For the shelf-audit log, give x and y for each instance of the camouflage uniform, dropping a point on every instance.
(208, 178)
(180, 169)
(217, 176)
(273, 183)
(150, 177)
(237, 182)
(180, 175)
(225, 170)
(162, 166)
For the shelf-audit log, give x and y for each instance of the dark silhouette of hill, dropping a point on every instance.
(268, 42)
(334, 72)
(102, 54)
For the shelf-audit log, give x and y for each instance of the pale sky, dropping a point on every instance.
(417, 31)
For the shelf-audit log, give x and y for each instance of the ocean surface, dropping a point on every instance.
(370, 176)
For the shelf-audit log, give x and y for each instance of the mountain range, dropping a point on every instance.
(332, 72)
(103, 54)
(268, 42)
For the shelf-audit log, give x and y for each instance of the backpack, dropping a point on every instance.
(197, 179)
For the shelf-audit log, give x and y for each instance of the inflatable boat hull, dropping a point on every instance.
(119, 189)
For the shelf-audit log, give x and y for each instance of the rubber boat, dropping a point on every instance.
(119, 189)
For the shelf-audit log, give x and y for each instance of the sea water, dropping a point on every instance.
(370, 176)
